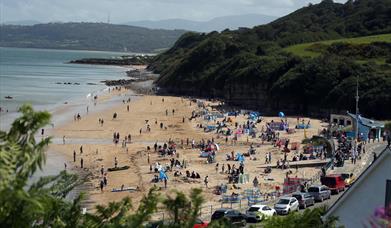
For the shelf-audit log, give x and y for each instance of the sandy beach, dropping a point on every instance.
(100, 151)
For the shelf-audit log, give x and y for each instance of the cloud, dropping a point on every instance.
(131, 10)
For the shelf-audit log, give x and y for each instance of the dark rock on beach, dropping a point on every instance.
(120, 82)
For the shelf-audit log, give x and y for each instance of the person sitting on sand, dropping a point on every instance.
(198, 176)
(193, 175)
(188, 173)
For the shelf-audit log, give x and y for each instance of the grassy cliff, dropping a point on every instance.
(257, 68)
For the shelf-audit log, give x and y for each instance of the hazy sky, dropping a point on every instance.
(131, 10)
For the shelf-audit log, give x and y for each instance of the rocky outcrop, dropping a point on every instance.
(124, 61)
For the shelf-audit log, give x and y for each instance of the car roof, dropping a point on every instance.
(259, 205)
(287, 197)
(333, 175)
(223, 209)
(316, 186)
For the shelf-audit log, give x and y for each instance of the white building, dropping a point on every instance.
(370, 191)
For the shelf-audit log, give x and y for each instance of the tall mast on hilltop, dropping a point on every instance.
(108, 18)
(357, 111)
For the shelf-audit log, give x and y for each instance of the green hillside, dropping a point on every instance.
(88, 36)
(308, 49)
(252, 68)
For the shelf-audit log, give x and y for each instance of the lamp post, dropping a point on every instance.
(357, 111)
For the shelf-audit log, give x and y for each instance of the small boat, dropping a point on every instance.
(8, 97)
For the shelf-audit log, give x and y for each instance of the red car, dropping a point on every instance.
(199, 223)
(335, 182)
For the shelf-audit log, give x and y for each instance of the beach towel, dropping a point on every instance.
(124, 189)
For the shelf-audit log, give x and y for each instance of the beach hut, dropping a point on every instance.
(366, 126)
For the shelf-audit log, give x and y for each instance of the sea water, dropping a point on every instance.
(45, 78)
(37, 77)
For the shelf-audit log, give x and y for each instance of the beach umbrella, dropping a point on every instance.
(281, 114)
(217, 146)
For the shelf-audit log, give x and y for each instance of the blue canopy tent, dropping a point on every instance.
(239, 157)
(162, 175)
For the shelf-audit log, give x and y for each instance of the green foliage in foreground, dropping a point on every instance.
(308, 219)
(43, 203)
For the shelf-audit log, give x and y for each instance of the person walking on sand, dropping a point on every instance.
(217, 167)
(74, 156)
(63, 139)
(81, 162)
(127, 107)
(166, 112)
(87, 109)
(141, 130)
(101, 185)
(206, 181)
(102, 170)
(81, 149)
(223, 168)
(105, 179)
(255, 182)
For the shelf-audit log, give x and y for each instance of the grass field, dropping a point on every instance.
(302, 49)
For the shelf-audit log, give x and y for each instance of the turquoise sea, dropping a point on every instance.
(34, 76)
(37, 76)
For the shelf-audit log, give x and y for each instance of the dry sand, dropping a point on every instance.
(98, 149)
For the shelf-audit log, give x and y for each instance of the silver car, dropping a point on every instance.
(319, 192)
(285, 205)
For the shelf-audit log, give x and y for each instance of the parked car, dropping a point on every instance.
(348, 178)
(258, 212)
(305, 199)
(334, 182)
(198, 224)
(319, 192)
(234, 216)
(285, 205)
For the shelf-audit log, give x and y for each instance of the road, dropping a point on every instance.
(356, 169)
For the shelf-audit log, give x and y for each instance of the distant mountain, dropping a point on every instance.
(88, 36)
(216, 24)
(22, 22)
